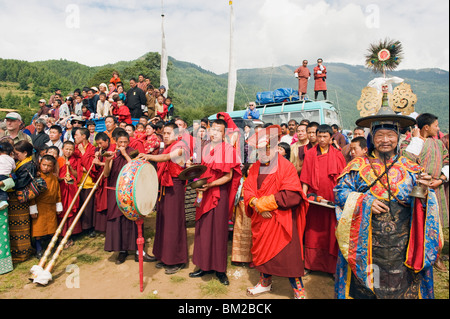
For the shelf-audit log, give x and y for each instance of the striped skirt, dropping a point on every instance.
(19, 229)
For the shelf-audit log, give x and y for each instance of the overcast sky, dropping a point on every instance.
(267, 32)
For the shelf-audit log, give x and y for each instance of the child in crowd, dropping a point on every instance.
(137, 144)
(121, 93)
(78, 103)
(86, 113)
(139, 132)
(48, 204)
(7, 166)
(122, 112)
(152, 141)
(161, 107)
(67, 136)
(55, 152)
(70, 173)
(91, 127)
(358, 147)
(103, 106)
(170, 108)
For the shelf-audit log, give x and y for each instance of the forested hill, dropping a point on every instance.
(198, 92)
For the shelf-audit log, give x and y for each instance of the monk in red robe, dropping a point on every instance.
(303, 74)
(215, 209)
(170, 246)
(101, 200)
(86, 152)
(232, 134)
(322, 166)
(135, 142)
(274, 200)
(121, 232)
(70, 173)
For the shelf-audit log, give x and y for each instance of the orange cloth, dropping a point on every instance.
(46, 222)
(266, 203)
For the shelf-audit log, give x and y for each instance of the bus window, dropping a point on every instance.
(331, 117)
(312, 116)
(275, 118)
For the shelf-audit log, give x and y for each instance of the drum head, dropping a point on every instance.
(146, 189)
(137, 189)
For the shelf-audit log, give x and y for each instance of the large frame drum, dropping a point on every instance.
(137, 189)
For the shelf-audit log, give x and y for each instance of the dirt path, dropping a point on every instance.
(106, 280)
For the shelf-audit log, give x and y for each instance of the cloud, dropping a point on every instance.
(267, 32)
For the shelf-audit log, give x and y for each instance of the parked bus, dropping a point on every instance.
(322, 112)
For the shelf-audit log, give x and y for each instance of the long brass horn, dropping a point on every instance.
(39, 267)
(44, 276)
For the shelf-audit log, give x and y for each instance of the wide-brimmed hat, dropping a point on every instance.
(386, 117)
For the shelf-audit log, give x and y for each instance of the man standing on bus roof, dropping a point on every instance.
(302, 74)
(320, 76)
(252, 112)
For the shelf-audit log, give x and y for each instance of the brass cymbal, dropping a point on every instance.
(192, 172)
(198, 183)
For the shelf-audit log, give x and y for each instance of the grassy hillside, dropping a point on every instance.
(197, 92)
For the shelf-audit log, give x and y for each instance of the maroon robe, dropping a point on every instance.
(211, 226)
(170, 245)
(121, 232)
(320, 172)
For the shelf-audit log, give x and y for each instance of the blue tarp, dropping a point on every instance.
(277, 96)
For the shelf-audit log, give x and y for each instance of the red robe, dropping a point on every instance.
(137, 144)
(219, 160)
(101, 192)
(122, 113)
(320, 83)
(167, 170)
(271, 235)
(68, 193)
(320, 172)
(230, 131)
(303, 76)
(87, 157)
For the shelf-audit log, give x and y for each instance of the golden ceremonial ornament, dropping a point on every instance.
(403, 99)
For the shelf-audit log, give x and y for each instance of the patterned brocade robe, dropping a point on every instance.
(388, 255)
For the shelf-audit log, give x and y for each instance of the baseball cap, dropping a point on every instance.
(42, 101)
(13, 116)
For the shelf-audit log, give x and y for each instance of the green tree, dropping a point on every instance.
(102, 76)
